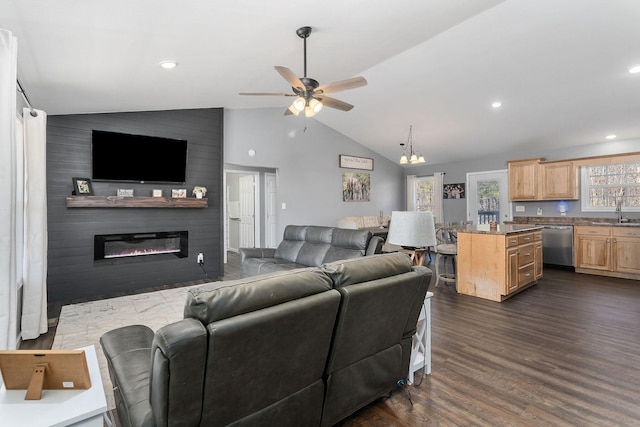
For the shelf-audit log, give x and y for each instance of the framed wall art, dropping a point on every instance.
(82, 187)
(453, 191)
(352, 162)
(356, 187)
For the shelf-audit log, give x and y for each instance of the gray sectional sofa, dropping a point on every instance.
(309, 246)
(303, 347)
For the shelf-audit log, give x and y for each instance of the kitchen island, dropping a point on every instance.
(497, 264)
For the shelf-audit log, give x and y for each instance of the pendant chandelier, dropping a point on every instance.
(413, 158)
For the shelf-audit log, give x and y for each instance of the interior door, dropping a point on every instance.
(271, 237)
(488, 197)
(247, 211)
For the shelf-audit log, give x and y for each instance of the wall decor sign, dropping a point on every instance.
(356, 187)
(82, 187)
(125, 192)
(453, 191)
(352, 162)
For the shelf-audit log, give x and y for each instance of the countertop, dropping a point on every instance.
(540, 220)
(501, 229)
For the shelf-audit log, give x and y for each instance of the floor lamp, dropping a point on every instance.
(414, 231)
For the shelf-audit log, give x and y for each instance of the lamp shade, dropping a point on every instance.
(412, 229)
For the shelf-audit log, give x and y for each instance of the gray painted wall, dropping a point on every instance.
(455, 210)
(305, 154)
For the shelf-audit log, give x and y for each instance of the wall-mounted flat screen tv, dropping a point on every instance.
(137, 158)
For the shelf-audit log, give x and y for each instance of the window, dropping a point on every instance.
(424, 194)
(607, 186)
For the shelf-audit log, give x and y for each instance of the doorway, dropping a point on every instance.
(250, 208)
(488, 197)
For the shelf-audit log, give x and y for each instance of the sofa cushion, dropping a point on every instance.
(220, 300)
(317, 243)
(358, 270)
(292, 240)
(347, 244)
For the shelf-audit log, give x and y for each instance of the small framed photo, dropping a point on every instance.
(156, 192)
(82, 187)
(125, 192)
(179, 193)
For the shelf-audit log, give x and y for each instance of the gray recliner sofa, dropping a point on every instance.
(305, 347)
(309, 246)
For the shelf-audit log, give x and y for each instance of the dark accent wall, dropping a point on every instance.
(72, 273)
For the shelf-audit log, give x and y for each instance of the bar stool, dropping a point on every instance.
(447, 249)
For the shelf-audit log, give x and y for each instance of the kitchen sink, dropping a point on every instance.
(618, 224)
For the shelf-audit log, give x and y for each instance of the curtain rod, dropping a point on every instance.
(33, 112)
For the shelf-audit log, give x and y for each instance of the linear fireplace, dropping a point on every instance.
(127, 246)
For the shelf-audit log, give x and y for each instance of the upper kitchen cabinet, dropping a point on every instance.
(559, 181)
(534, 179)
(523, 179)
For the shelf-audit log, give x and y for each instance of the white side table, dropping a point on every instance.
(421, 349)
(58, 407)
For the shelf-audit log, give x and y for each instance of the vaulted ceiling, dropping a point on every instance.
(559, 67)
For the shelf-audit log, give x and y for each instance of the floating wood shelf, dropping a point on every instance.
(134, 202)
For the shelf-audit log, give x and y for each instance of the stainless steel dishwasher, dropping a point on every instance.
(557, 245)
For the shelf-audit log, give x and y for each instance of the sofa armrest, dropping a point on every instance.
(246, 253)
(178, 359)
(128, 354)
(375, 245)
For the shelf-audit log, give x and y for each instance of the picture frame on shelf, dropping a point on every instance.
(82, 187)
(156, 192)
(179, 193)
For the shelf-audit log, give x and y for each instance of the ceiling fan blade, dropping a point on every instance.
(290, 77)
(266, 94)
(341, 85)
(334, 103)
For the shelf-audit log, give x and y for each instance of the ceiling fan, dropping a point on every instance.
(310, 95)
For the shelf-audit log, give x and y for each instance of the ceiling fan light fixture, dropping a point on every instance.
(315, 105)
(299, 104)
(293, 110)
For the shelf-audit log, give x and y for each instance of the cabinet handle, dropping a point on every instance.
(527, 254)
(527, 275)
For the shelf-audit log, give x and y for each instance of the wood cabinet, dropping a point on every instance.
(496, 266)
(533, 179)
(611, 251)
(559, 180)
(523, 179)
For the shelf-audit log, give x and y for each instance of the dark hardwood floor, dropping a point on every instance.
(565, 352)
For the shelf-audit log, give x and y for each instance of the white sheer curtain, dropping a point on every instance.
(9, 276)
(411, 199)
(34, 301)
(438, 210)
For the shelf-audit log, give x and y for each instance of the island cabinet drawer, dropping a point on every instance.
(525, 238)
(512, 240)
(526, 254)
(526, 275)
(537, 236)
(625, 231)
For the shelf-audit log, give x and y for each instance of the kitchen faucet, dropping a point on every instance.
(619, 208)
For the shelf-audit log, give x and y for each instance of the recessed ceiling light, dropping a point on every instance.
(496, 104)
(168, 64)
(635, 69)
(611, 136)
